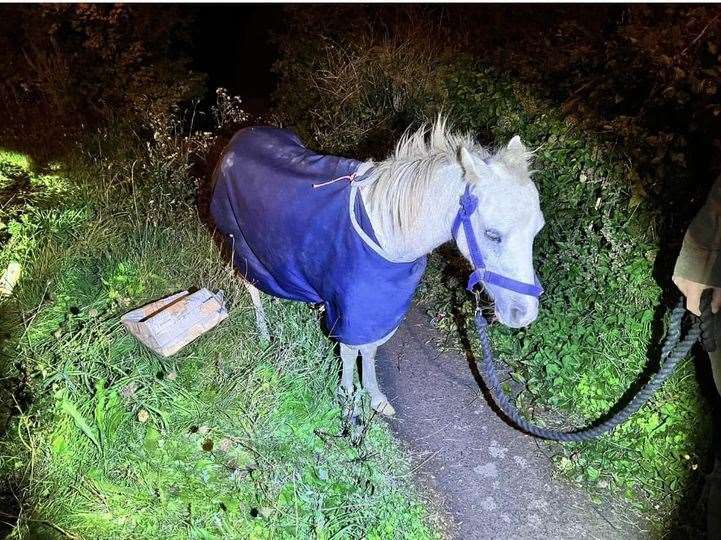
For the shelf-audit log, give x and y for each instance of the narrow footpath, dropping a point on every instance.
(490, 480)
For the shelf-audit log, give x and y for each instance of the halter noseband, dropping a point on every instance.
(469, 204)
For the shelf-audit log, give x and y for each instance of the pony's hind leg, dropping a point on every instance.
(348, 355)
(260, 319)
(351, 410)
(379, 402)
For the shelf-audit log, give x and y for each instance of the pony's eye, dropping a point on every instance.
(493, 235)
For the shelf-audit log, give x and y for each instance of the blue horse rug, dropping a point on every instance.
(298, 233)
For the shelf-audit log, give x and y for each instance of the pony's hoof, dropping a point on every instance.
(381, 406)
(343, 396)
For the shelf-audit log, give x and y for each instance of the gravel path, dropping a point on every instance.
(490, 480)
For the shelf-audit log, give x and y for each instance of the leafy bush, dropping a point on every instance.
(645, 76)
(358, 95)
(67, 67)
(601, 312)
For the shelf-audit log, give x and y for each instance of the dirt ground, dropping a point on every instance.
(490, 480)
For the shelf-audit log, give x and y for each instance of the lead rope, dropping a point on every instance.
(673, 351)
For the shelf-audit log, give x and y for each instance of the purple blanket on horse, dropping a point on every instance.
(296, 241)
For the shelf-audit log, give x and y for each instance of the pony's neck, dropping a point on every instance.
(407, 235)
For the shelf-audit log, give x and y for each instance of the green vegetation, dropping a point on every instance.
(230, 438)
(602, 311)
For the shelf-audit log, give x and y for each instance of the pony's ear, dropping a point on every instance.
(515, 145)
(474, 169)
(516, 157)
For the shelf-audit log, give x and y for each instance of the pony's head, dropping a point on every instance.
(505, 223)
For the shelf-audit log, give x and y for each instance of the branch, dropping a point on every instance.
(700, 34)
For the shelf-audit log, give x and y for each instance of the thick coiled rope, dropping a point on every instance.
(673, 351)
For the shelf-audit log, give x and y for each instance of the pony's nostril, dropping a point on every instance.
(518, 313)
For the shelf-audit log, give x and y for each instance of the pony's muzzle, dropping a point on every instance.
(518, 313)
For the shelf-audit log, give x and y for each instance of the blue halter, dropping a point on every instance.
(469, 203)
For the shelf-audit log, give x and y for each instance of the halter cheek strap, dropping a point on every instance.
(469, 204)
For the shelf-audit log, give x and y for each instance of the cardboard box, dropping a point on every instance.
(169, 324)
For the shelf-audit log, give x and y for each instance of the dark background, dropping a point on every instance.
(234, 45)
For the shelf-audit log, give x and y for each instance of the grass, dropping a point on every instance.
(230, 438)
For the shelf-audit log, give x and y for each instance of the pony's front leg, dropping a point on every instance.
(379, 402)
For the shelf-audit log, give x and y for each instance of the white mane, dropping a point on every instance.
(398, 186)
(435, 141)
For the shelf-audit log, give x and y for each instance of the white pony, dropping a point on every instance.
(412, 201)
